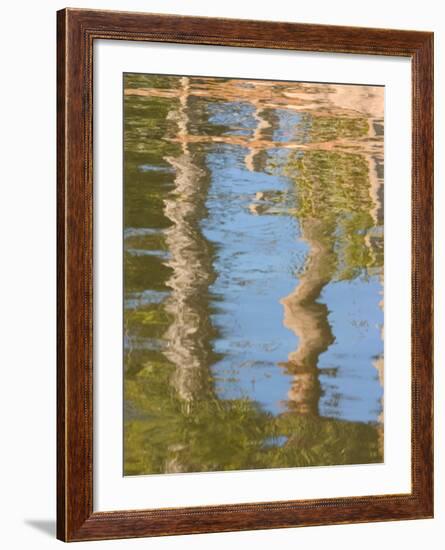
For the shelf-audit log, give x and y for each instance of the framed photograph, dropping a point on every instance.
(245, 263)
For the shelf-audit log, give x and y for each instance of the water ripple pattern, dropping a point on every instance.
(253, 274)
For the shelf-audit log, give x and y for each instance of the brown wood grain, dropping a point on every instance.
(76, 32)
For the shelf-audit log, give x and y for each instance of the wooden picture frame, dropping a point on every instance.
(76, 32)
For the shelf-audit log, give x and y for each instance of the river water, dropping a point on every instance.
(253, 273)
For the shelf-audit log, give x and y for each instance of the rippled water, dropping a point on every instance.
(253, 246)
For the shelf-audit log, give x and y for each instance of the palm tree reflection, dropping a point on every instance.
(188, 335)
(308, 319)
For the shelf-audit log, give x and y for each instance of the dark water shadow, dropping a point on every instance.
(46, 526)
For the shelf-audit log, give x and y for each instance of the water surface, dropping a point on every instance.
(253, 269)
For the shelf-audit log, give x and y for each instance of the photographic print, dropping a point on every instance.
(253, 274)
(244, 274)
